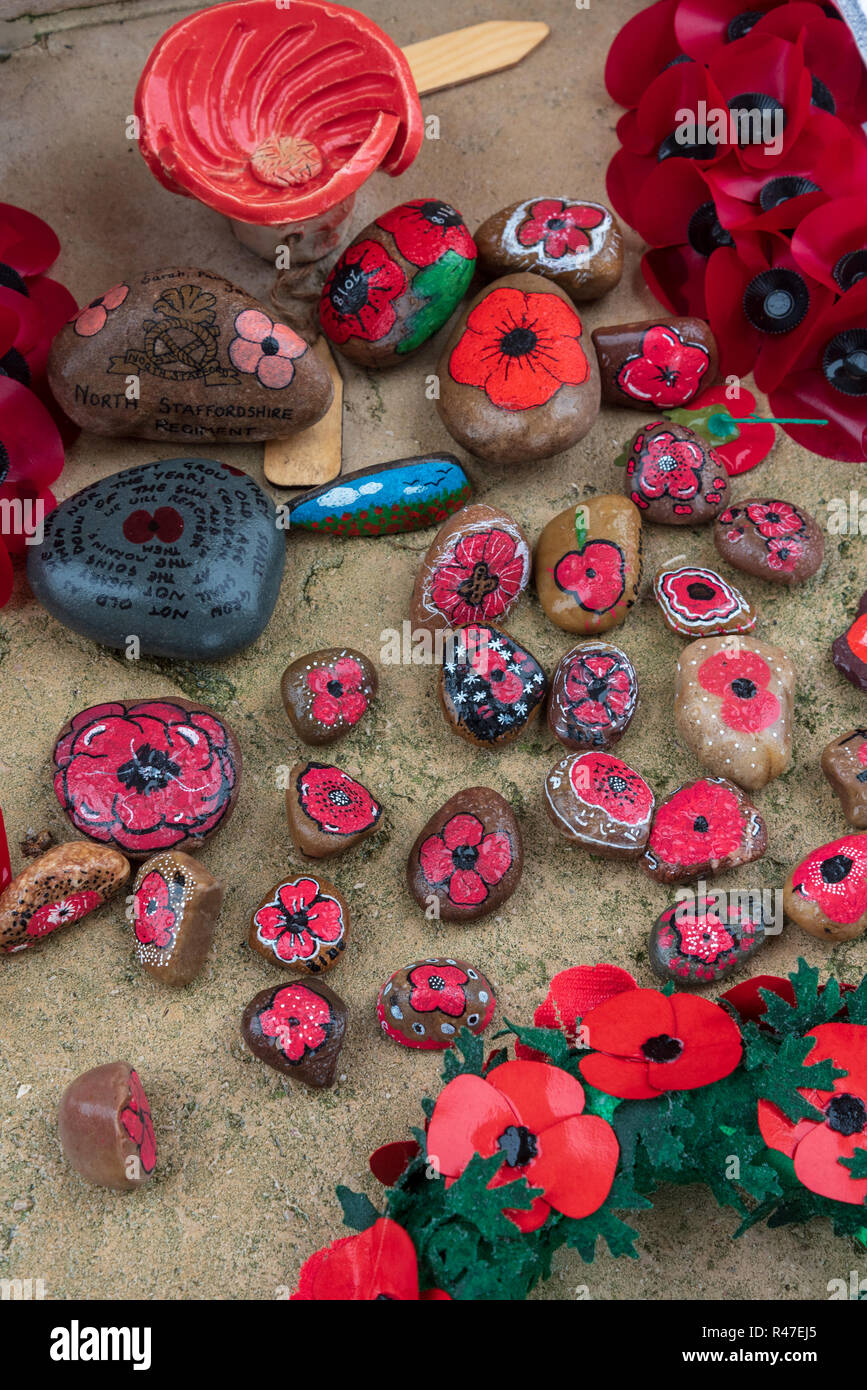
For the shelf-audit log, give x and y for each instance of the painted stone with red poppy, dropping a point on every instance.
(699, 940)
(517, 379)
(594, 694)
(655, 364)
(302, 924)
(175, 906)
(212, 364)
(396, 284)
(673, 476)
(826, 894)
(588, 564)
(703, 829)
(60, 887)
(600, 803)
(147, 775)
(734, 701)
(468, 858)
(298, 1029)
(106, 1129)
(849, 650)
(326, 693)
(328, 812)
(475, 570)
(774, 540)
(696, 601)
(844, 763)
(490, 689)
(572, 241)
(426, 1004)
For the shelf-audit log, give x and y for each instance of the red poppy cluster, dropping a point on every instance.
(753, 207)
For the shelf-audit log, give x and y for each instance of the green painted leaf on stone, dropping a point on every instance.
(442, 285)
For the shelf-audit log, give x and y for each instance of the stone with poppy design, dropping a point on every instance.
(475, 570)
(517, 381)
(697, 602)
(655, 364)
(673, 476)
(427, 1003)
(844, 763)
(574, 242)
(326, 693)
(849, 650)
(490, 688)
(328, 812)
(175, 906)
(600, 803)
(298, 1029)
(468, 858)
(699, 940)
(594, 694)
(106, 1129)
(826, 894)
(776, 541)
(61, 886)
(588, 564)
(702, 829)
(734, 701)
(302, 924)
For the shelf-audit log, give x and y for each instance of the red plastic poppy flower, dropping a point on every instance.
(27, 244)
(599, 689)
(377, 1264)
(298, 920)
(740, 446)
(676, 214)
(298, 1020)
(358, 296)
(481, 577)
(520, 349)
(643, 48)
(670, 122)
(425, 229)
(600, 779)
(465, 859)
(155, 919)
(830, 53)
(335, 801)
(438, 988)
(559, 227)
(390, 1161)
(704, 26)
(741, 678)
(136, 1120)
(817, 1146)
(63, 913)
(646, 1043)
(31, 450)
(531, 1113)
(595, 575)
(767, 90)
(830, 243)
(834, 877)
(572, 994)
(702, 820)
(666, 372)
(338, 690)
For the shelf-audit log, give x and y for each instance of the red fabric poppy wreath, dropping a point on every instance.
(571, 994)
(520, 349)
(379, 1264)
(358, 296)
(465, 860)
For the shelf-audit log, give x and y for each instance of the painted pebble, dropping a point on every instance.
(826, 893)
(426, 1004)
(475, 571)
(396, 284)
(599, 802)
(183, 555)
(298, 1029)
(302, 924)
(700, 940)
(734, 707)
(773, 540)
(468, 858)
(517, 381)
(673, 476)
(388, 498)
(327, 810)
(588, 564)
(593, 697)
(698, 602)
(656, 363)
(60, 887)
(702, 829)
(490, 688)
(211, 363)
(850, 650)
(326, 693)
(175, 907)
(106, 1129)
(844, 763)
(576, 243)
(147, 775)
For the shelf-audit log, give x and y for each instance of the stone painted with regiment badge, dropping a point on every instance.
(577, 244)
(588, 564)
(656, 363)
(326, 693)
(407, 495)
(427, 1003)
(593, 697)
(490, 688)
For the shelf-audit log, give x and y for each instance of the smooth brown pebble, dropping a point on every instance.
(655, 364)
(776, 541)
(575, 243)
(826, 894)
(468, 858)
(302, 924)
(600, 803)
(176, 903)
(327, 810)
(426, 1004)
(703, 829)
(844, 763)
(475, 570)
(698, 602)
(673, 476)
(594, 694)
(490, 688)
(326, 693)
(297, 1028)
(106, 1129)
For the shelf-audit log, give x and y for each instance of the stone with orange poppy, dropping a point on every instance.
(826, 894)
(655, 364)
(844, 763)
(301, 924)
(490, 688)
(182, 355)
(572, 241)
(703, 829)
(427, 1003)
(475, 570)
(734, 703)
(599, 802)
(673, 475)
(106, 1130)
(468, 858)
(298, 1028)
(175, 906)
(776, 541)
(63, 885)
(328, 812)
(326, 693)
(517, 379)
(850, 649)
(588, 564)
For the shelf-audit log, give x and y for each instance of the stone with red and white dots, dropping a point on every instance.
(599, 802)
(702, 938)
(826, 894)
(298, 1029)
(673, 476)
(426, 1004)
(327, 693)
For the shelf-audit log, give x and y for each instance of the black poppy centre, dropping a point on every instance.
(776, 301)
(5, 462)
(699, 143)
(844, 362)
(519, 342)
(270, 347)
(478, 584)
(758, 117)
(851, 268)
(847, 1114)
(700, 591)
(701, 825)
(835, 869)
(662, 1048)
(335, 688)
(822, 96)
(782, 189)
(440, 214)
(465, 856)
(744, 688)
(519, 1145)
(705, 233)
(349, 291)
(148, 770)
(742, 24)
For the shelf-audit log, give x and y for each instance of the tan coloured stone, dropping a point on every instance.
(588, 564)
(60, 887)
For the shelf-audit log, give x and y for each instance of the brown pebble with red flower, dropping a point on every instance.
(328, 812)
(302, 924)
(298, 1029)
(655, 364)
(175, 906)
(468, 859)
(773, 540)
(60, 887)
(106, 1128)
(673, 476)
(427, 1003)
(326, 693)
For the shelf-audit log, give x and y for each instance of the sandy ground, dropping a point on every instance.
(244, 1190)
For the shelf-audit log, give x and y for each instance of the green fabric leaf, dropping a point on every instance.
(552, 1041)
(856, 1003)
(471, 1059)
(781, 1072)
(583, 1235)
(358, 1211)
(471, 1198)
(857, 1164)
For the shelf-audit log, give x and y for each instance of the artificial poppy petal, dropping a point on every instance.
(469, 1117)
(817, 1165)
(576, 1164)
(390, 1161)
(621, 1025)
(27, 243)
(377, 1263)
(541, 1094)
(618, 1076)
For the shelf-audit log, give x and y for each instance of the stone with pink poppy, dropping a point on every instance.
(849, 650)
(697, 602)
(212, 364)
(298, 1028)
(328, 812)
(475, 570)
(699, 940)
(776, 541)
(326, 693)
(599, 802)
(655, 364)
(301, 924)
(702, 829)
(734, 700)
(175, 906)
(468, 859)
(673, 475)
(105, 1126)
(426, 1004)
(575, 242)
(826, 893)
(68, 882)
(844, 763)
(594, 694)
(518, 381)
(588, 564)
(490, 688)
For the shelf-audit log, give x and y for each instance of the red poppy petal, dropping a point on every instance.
(576, 1163)
(463, 829)
(390, 1161)
(779, 1132)
(26, 242)
(846, 1045)
(818, 1167)
(469, 1117)
(540, 1094)
(617, 1077)
(495, 856)
(712, 1046)
(467, 888)
(380, 1260)
(29, 435)
(621, 1025)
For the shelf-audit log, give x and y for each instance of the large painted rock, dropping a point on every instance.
(517, 381)
(597, 801)
(475, 571)
(427, 1003)
(849, 650)
(298, 1029)
(826, 894)
(490, 688)
(655, 364)
(698, 602)
(183, 355)
(183, 555)
(63, 885)
(773, 540)
(397, 282)
(468, 858)
(844, 763)
(674, 476)
(702, 829)
(175, 906)
(574, 242)
(701, 940)
(593, 697)
(588, 564)
(406, 495)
